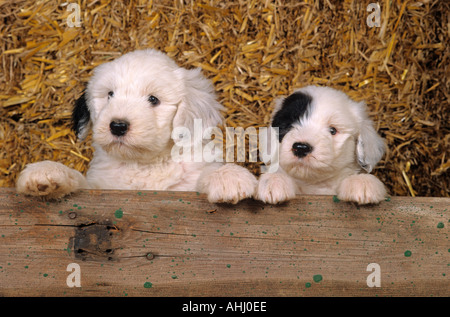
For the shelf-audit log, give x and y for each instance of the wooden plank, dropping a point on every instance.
(130, 243)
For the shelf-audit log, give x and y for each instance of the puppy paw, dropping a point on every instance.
(274, 188)
(49, 179)
(229, 184)
(362, 189)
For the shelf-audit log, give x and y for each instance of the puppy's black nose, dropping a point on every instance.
(118, 127)
(301, 149)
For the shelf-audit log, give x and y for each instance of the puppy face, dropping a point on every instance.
(322, 131)
(134, 102)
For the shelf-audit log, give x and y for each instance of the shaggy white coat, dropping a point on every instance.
(339, 163)
(141, 159)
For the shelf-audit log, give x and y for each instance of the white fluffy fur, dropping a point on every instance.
(337, 162)
(141, 159)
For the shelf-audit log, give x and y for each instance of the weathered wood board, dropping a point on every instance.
(130, 243)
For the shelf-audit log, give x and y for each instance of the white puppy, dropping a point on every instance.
(132, 105)
(328, 145)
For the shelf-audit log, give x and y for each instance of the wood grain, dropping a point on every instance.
(131, 243)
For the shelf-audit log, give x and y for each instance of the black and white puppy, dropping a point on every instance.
(327, 146)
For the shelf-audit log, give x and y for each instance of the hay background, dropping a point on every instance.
(253, 51)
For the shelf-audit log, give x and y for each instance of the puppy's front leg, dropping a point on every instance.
(274, 188)
(229, 183)
(49, 179)
(362, 188)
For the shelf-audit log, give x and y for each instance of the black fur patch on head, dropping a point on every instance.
(293, 108)
(80, 116)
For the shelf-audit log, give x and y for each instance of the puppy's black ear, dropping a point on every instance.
(81, 117)
(290, 110)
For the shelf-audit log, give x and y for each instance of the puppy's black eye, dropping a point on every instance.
(153, 100)
(110, 94)
(333, 130)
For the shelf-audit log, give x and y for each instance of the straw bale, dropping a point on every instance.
(253, 51)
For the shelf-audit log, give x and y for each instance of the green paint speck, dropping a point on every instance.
(440, 225)
(228, 265)
(308, 285)
(336, 199)
(317, 278)
(118, 213)
(408, 253)
(148, 285)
